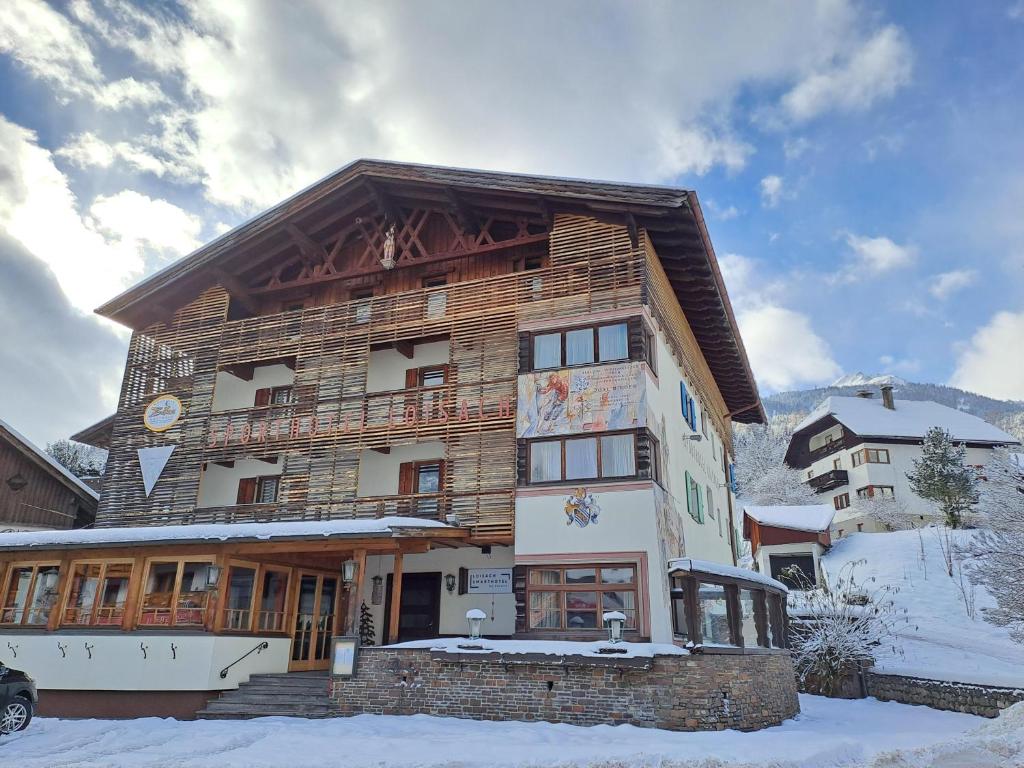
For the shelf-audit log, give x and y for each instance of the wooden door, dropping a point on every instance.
(315, 617)
(419, 615)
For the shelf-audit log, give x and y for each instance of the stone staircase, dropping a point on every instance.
(287, 694)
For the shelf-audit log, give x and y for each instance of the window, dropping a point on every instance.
(694, 501)
(581, 346)
(860, 527)
(842, 501)
(689, 408)
(837, 462)
(870, 491)
(176, 593)
(680, 611)
(432, 376)
(750, 607)
(795, 571)
(437, 301)
(428, 478)
(363, 304)
(241, 591)
(870, 456)
(576, 597)
(704, 420)
(423, 478)
(30, 594)
(713, 614)
(97, 594)
(272, 600)
(272, 396)
(258, 490)
(583, 458)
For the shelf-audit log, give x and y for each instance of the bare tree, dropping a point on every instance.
(997, 550)
(762, 476)
(889, 511)
(836, 627)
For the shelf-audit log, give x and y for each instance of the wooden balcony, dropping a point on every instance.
(827, 449)
(834, 478)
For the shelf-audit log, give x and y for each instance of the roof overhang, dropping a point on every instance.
(671, 217)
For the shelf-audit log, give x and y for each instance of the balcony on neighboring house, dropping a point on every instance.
(834, 478)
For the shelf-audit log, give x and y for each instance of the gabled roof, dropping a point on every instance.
(911, 419)
(671, 216)
(45, 462)
(814, 518)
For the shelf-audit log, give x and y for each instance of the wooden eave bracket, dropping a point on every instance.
(464, 213)
(391, 213)
(236, 290)
(310, 250)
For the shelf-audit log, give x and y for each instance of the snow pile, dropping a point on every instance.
(547, 647)
(697, 567)
(795, 517)
(939, 641)
(829, 733)
(868, 417)
(304, 529)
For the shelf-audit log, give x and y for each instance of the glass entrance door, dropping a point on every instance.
(314, 621)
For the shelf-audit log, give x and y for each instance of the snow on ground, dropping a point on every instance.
(939, 641)
(547, 647)
(829, 732)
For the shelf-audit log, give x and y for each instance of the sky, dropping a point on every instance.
(860, 164)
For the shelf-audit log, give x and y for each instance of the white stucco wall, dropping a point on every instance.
(218, 486)
(231, 392)
(387, 367)
(378, 472)
(500, 609)
(117, 662)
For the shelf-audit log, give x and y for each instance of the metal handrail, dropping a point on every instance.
(258, 650)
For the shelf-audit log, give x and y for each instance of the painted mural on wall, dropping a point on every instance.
(670, 525)
(581, 509)
(593, 399)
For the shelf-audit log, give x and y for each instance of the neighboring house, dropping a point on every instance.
(853, 448)
(789, 537)
(37, 493)
(423, 389)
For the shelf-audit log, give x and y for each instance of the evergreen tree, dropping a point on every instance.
(367, 633)
(942, 476)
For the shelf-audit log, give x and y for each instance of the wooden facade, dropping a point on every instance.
(36, 494)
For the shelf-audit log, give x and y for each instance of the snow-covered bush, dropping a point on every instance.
(997, 551)
(836, 627)
(762, 476)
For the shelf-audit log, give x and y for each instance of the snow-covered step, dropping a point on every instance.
(297, 694)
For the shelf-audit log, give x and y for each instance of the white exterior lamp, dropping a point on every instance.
(615, 621)
(348, 571)
(475, 617)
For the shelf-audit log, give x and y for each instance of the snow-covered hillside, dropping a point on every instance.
(939, 641)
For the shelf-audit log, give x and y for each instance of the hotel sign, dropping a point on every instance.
(489, 581)
(162, 413)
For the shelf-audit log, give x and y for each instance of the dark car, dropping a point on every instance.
(18, 699)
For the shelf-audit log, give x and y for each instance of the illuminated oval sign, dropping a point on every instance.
(162, 414)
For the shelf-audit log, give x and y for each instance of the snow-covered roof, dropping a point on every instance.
(29, 446)
(868, 417)
(691, 565)
(305, 529)
(805, 517)
(546, 647)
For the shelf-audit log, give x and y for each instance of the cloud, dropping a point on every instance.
(783, 347)
(60, 370)
(253, 131)
(874, 71)
(873, 256)
(1016, 11)
(52, 49)
(771, 191)
(722, 214)
(990, 363)
(795, 148)
(946, 284)
(94, 257)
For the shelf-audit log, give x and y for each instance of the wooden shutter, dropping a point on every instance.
(412, 378)
(525, 345)
(263, 396)
(684, 401)
(522, 457)
(689, 494)
(247, 490)
(407, 477)
(637, 339)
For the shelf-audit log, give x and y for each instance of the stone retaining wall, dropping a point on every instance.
(957, 697)
(685, 693)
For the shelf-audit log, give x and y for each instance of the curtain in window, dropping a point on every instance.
(612, 342)
(545, 462)
(581, 458)
(579, 346)
(547, 350)
(617, 456)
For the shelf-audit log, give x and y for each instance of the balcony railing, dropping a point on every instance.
(827, 449)
(831, 479)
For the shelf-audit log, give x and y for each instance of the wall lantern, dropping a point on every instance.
(475, 617)
(615, 621)
(694, 438)
(377, 590)
(449, 582)
(212, 576)
(348, 571)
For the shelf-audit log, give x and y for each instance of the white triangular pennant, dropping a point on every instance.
(153, 461)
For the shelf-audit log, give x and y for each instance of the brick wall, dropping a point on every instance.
(957, 697)
(686, 693)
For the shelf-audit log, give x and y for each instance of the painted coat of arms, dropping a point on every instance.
(581, 509)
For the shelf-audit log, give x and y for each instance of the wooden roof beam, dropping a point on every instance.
(464, 213)
(311, 251)
(392, 214)
(237, 291)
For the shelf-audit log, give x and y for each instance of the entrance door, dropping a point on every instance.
(419, 615)
(314, 621)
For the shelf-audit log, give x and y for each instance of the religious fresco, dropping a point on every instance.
(581, 509)
(594, 399)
